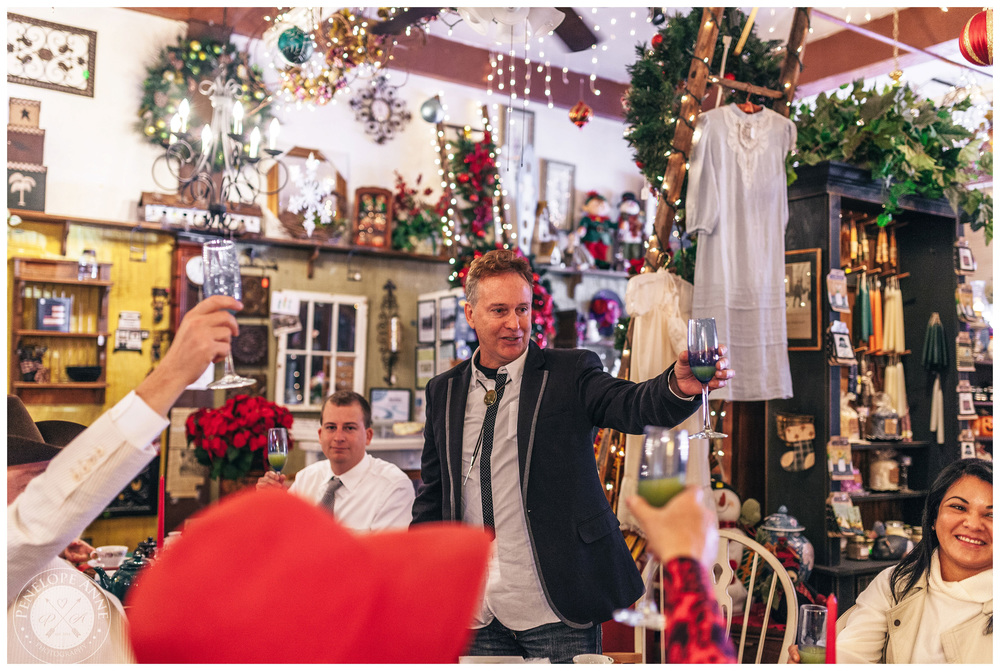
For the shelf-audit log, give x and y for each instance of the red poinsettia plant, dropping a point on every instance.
(232, 440)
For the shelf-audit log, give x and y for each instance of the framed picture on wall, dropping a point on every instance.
(391, 404)
(558, 190)
(426, 318)
(516, 132)
(425, 365)
(445, 357)
(447, 315)
(802, 304)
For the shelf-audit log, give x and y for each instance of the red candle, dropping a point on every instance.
(159, 517)
(831, 629)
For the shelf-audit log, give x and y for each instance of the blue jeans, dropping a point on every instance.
(557, 641)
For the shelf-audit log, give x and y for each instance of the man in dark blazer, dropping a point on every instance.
(508, 444)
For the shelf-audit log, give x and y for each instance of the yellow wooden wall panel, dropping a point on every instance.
(132, 289)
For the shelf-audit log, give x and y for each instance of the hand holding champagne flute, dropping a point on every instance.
(277, 448)
(703, 353)
(662, 475)
(222, 278)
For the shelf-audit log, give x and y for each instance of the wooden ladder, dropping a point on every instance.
(611, 445)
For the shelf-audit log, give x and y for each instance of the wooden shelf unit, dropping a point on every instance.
(30, 274)
(817, 200)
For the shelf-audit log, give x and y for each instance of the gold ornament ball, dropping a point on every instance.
(896, 75)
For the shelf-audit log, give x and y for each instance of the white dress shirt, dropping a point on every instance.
(58, 505)
(376, 494)
(513, 589)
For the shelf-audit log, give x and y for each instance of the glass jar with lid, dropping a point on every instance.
(87, 265)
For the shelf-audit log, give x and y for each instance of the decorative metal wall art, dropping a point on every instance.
(50, 55)
(378, 108)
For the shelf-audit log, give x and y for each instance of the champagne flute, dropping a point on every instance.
(222, 278)
(277, 448)
(812, 634)
(662, 475)
(703, 352)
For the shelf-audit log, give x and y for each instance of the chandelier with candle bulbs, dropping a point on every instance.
(223, 163)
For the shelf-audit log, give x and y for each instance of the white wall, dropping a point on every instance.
(98, 164)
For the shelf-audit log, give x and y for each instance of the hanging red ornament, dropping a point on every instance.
(580, 114)
(639, 164)
(730, 76)
(976, 41)
(657, 40)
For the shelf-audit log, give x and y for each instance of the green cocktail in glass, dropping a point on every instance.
(813, 654)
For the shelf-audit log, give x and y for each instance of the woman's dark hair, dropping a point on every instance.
(918, 562)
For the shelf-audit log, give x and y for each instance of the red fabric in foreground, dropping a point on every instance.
(265, 577)
(696, 628)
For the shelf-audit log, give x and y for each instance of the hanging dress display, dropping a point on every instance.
(660, 305)
(737, 203)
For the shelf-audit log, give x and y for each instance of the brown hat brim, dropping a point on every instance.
(24, 451)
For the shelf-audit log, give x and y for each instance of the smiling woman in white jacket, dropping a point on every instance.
(936, 605)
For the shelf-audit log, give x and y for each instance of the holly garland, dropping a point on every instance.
(177, 74)
(653, 100)
(474, 167)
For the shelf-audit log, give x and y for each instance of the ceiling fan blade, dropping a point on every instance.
(574, 32)
(400, 22)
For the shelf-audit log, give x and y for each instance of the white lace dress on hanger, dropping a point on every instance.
(737, 203)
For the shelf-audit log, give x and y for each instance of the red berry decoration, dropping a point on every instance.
(640, 165)
(730, 76)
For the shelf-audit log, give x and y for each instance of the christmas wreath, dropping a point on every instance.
(177, 74)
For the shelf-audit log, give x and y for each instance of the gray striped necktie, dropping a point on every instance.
(332, 486)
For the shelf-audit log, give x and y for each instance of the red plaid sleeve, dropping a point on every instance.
(696, 629)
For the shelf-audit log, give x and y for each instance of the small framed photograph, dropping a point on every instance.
(802, 299)
(966, 408)
(447, 316)
(391, 404)
(445, 357)
(966, 261)
(463, 331)
(426, 318)
(425, 365)
(968, 450)
(842, 346)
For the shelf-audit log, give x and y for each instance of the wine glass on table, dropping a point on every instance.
(703, 353)
(662, 475)
(277, 448)
(222, 278)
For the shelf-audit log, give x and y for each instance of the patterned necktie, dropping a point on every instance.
(485, 483)
(332, 486)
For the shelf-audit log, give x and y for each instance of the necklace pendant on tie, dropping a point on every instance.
(490, 398)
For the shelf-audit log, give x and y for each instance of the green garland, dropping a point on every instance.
(176, 75)
(908, 143)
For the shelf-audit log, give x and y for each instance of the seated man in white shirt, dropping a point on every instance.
(364, 493)
(50, 501)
